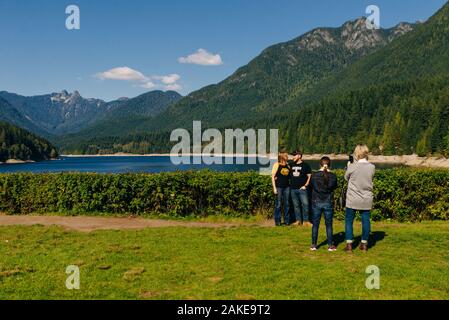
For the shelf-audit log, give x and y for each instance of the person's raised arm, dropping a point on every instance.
(333, 182)
(349, 171)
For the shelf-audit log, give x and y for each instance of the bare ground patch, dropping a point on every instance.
(88, 224)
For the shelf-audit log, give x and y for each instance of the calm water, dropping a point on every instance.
(134, 164)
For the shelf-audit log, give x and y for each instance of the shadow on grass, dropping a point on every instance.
(339, 239)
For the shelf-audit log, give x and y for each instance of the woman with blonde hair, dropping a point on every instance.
(359, 196)
(280, 179)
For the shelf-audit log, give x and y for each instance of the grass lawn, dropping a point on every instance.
(234, 263)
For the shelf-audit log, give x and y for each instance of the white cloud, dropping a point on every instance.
(166, 82)
(173, 87)
(170, 79)
(203, 58)
(122, 73)
(148, 85)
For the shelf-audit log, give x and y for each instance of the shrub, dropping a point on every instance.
(400, 194)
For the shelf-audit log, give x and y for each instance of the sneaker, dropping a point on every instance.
(313, 248)
(296, 223)
(348, 247)
(364, 247)
(332, 249)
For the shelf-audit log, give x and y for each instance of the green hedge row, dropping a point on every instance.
(400, 194)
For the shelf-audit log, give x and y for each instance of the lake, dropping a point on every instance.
(137, 164)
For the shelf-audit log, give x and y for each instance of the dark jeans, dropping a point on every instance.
(349, 222)
(300, 199)
(283, 197)
(317, 210)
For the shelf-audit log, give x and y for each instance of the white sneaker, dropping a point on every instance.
(313, 248)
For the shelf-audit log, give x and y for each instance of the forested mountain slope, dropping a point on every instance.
(17, 143)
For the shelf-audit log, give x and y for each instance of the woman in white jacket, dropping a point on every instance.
(359, 196)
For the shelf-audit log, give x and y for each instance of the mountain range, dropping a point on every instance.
(64, 113)
(325, 90)
(278, 75)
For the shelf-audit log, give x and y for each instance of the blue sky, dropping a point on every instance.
(39, 55)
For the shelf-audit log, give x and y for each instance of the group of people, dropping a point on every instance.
(294, 180)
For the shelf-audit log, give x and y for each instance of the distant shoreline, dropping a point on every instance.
(17, 161)
(157, 155)
(407, 160)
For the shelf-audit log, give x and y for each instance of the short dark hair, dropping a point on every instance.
(325, 161)
(297, 153)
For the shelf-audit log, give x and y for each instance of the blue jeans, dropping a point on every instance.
(317, 210)
(349, 221)
(300, 199)
(283, 197)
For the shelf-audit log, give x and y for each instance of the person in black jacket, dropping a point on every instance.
(323, 184)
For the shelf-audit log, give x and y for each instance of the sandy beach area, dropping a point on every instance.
(15, 161)
(407, 160)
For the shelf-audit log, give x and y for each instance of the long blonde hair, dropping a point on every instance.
(283, 157)
(361, 152)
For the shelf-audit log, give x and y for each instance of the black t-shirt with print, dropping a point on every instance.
(282, 175)
(298, 176)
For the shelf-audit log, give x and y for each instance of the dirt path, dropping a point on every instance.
(88, 224)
